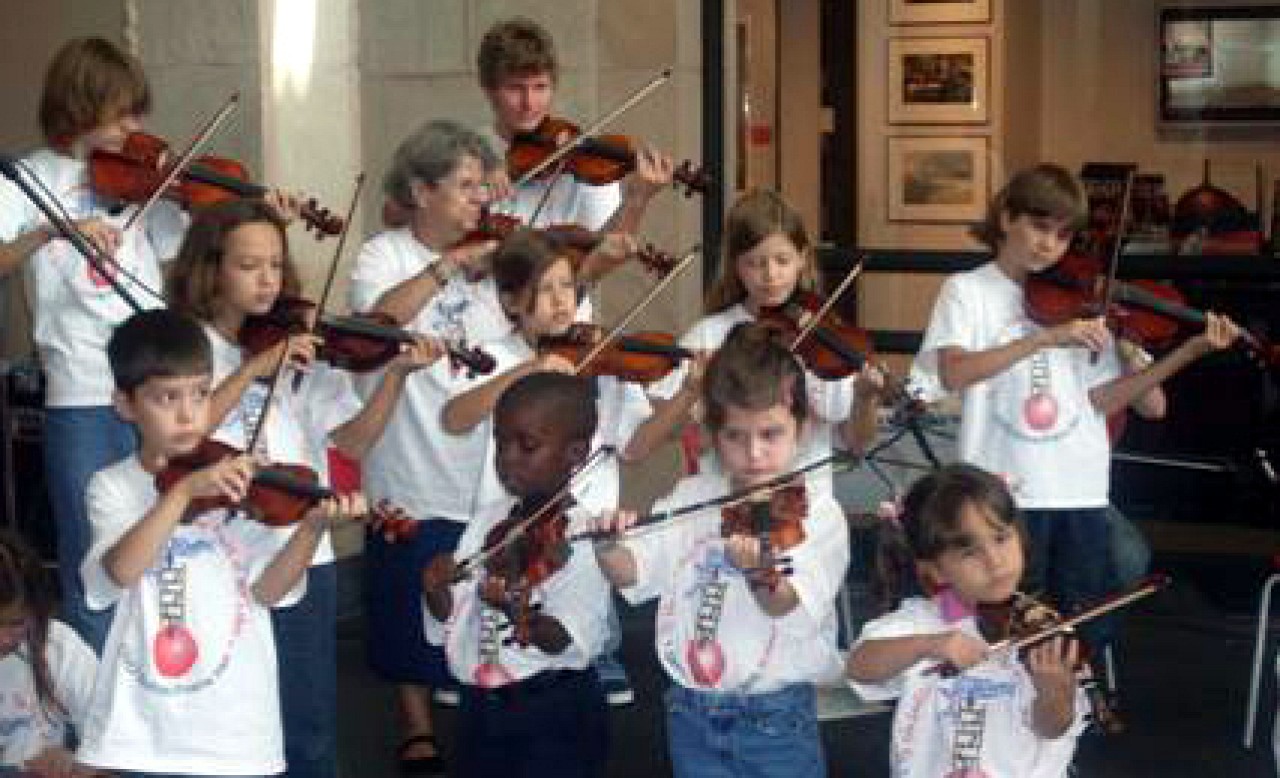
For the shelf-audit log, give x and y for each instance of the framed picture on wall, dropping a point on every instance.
(1216, 65)
(935, 11)
(938, 81)
(944, 179)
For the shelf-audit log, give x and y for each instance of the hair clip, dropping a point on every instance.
(890, 511)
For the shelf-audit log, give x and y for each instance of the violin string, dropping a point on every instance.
(635, 310)
(99, 256)
(184, 159)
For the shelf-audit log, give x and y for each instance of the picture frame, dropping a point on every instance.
(939, 80)
(938, 179)
(1213, 66)
(938, 11)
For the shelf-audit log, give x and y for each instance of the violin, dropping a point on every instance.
(1150, 313)
(641, 357)
(529, 554)
(598, 160)
(777, 522)
(358, 343)
(833, 350)
(576, 240)
(133, 174)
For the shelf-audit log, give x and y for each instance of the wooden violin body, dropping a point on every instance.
(642, 357)
(530, 553)
(777, 522)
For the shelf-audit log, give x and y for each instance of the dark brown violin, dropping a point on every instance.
(778, 522)
(1149, 313)
(578, 241)
(599, 160)
(529, 554)
(833, 350)
(358, 343)
(641, 357)
(133, 174)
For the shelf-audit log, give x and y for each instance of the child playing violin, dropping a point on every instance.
(233, 266)
(1035, 399)
(998, 717)
(518, 70)
(769, 259)
(95, 95)
(743, 641)
(521, 632)
(188, 680)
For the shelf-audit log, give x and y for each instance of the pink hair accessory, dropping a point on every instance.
(891, 511)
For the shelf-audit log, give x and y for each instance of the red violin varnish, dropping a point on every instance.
(537, 551)
(640, 357)
(132, 174)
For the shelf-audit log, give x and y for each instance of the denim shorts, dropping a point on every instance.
(715, 735)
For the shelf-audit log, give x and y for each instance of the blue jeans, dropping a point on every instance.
(1070, 560)
(306, 652)
(79, 442)
(713, 735)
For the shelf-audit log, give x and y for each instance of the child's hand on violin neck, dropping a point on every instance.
(870, 381)
(1053, 665)
(422, 352)
(611, 524)
(439, 573)
(339, 508)
(615, 247)
(286, 205)
(229, 478)
(1084, 333)
(470, 257)
(654, 171)
(959, 649)
(743, 552)
(299, 350)
(105, 236)
(1220, 332)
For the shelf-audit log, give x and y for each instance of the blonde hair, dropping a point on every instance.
(755, 216)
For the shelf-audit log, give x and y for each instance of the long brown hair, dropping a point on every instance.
(755, 216)
(25, 585)
(89, 82)
(191, 282)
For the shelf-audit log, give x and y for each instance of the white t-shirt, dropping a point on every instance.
(298, 427)
(74, 309)
(829, 401)
(577, 596)
(710, 632)
(26, 728)
(152, 712)
(570, 201)
(994, 699)
(416, 464)
(621, 408)
(1033, 422)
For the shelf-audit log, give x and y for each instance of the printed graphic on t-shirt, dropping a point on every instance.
(1034, 399)
(182, 657)
(964, 712)
(20, 714)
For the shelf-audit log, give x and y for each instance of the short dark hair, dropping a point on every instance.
(159, 343)
(568, 400)
(515, 47)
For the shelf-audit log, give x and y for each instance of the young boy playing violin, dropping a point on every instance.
(522, 625)
(1035, 399)
(188, 680)
(95, 95)
(518, 71)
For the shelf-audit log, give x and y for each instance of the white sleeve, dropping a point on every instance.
(953, 324)
(72, 667)
(166, 226)
(632, 410)
(578, 597)
(375, 270)
(909, 619)
(830, 401)
(17, 215)
(821, 560)
(653, 551)
(112, 511)
(597, 205)
(331, 401)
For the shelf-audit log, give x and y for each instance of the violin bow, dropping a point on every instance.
(827, 305)
(594, 129)
(337, 251)
(184, 159)
(467, 566)
(838, 461)
(1109, 284)
(630, 316)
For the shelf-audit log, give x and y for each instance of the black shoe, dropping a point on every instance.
(420, 765)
